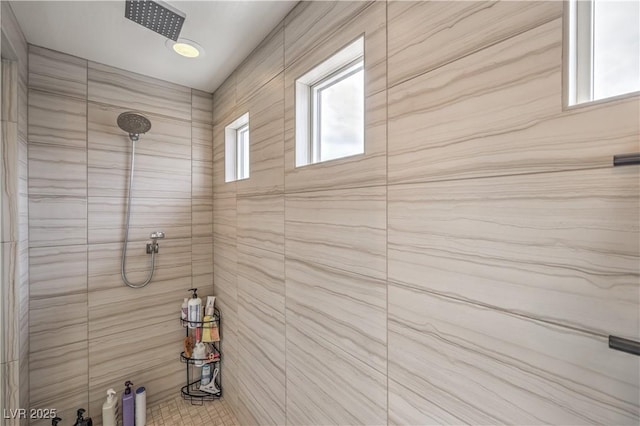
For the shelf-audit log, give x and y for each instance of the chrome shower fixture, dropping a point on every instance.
(134, 124)
(157, 16)
(153, 246)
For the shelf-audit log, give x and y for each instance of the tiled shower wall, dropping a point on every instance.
(88, 332)
(468, 267)
(14, 266)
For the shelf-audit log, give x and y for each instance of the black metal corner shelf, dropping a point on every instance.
(195, 361)
(191, 392)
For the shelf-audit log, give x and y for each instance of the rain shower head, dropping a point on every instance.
(156, 15)
(134, 123)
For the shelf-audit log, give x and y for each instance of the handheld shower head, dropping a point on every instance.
(134, 123)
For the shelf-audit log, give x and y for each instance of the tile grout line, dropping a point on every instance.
(86, 103)
(284, 220)
(386, 21)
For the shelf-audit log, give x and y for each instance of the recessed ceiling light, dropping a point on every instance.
(185, 47)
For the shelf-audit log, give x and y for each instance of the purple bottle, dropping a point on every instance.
(128, 409)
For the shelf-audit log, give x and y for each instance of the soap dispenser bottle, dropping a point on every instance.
(195, 309)
(81, 421)
(128, 410)
(109, 409)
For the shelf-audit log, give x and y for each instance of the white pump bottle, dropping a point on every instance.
(195, 309)
(109, 409)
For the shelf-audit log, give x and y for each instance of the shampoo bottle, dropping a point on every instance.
(109, 409)
(128, 414)
(195, 309)
(141, 406)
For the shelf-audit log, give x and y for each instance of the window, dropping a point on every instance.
(330, 108)
(604, 49)
(236, 149)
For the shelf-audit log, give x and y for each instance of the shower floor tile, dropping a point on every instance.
(178, 412)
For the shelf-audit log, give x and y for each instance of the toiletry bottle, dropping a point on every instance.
(205, 376)
(81, 421)
(199, 354)
(109, 409)
(184, 314)
(195, 309)
(141, 406)
(128, 415)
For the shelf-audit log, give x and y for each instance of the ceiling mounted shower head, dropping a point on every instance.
(156, 15)
(134, 123)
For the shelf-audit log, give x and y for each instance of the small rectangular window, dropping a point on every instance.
(236, 149)
(330, 108)
(604, 49)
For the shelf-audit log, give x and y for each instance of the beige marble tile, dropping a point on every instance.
(202, 255)
(10, 385)
(264, 63)
(57, 220)
(226, 291)
(57, 170)
(202, 142)
(310, 24)
(23, 378)
(154, 363)
(201, 179)
(59, 379)
(225, 218)
(562, 247)
(266, 129)
(23, 107)
(427, 35)
(510, 108)
(328, 386)
(9, 90)
(115, 308)
(344, 229)
(201, 107)
(58, 298)
(15, 39)
(10, 174)
(107, 218)
(57, 120)
(162, 163)
(10, 304)
(113, 86)
(260, 222)
(368, 169)
(261, 328)
(56, 72)
(55, 325)
(224, 100)
(57, 272)
(22, 274)
(346, 311)
(201, 217)
(456, 362)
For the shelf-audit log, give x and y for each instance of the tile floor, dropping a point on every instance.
(178, 412)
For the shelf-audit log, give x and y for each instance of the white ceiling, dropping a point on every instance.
(97, 30)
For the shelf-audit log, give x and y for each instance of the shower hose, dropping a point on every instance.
(126, 229)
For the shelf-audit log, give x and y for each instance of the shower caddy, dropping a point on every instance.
(190, 391)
